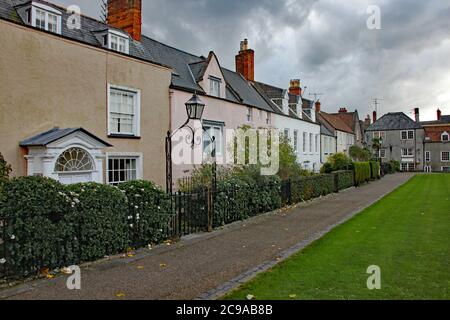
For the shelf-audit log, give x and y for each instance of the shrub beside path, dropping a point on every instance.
(199, 263)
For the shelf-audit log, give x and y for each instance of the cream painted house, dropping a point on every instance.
(82, 104)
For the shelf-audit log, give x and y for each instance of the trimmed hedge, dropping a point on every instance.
(148, 212)
(312, 187)
(375, 170)
(346, 179)
(363, 172)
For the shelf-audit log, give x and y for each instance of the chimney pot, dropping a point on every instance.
(245, 61)
(439, 114)
(295, 87)
(374, 117)
(343, 110)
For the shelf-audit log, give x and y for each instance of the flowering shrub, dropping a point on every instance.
(32, 213)
(100, 212)
(149, 212)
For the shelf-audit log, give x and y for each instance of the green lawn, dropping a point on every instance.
(407, 234)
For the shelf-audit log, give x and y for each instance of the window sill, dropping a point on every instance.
(123, 136)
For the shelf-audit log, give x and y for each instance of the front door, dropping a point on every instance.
(72, 178)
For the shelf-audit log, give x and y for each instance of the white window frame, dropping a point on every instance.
(119, 36)
(407, 135)
(445, 134)
(407, 155)
(207, 125)
(448, 156)
(427, 156)
(445, 169)
(137, 110)
(47, 10)
(382, 153)
(317, 143)
(214, 81)
(295, 141)
(311, 137)
(139, 157)
(379, 134)
(305, 136)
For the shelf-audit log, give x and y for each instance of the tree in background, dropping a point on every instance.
(336, 162)
(359, 154)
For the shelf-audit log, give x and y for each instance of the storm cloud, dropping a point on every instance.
(325, 43)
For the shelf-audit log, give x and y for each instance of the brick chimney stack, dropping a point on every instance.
(245, 61)
(374, 117)
(295, 87)
(318, 106)
(439, 114)
(126, 15)
(343, 110)
(367, 121)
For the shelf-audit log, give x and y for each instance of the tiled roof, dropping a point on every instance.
(348, 118)
(445, 120)
(336, 122)
(55, 134)
(394, 121)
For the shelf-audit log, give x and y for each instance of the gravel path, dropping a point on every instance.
(198, 264)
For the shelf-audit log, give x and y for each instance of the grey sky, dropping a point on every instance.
(325, 43)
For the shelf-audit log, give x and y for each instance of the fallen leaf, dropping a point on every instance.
(130, 255)
(163, 265)
(66, 270)
(120, 295)
(292, 296)
(250, 297)
(50, 276)
(140, 267)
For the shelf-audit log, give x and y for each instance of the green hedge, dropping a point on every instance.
(149, 212)
(51, 225)
(312, 187)
(33, 211)
(346, 179)
(363, 172)
(375, 170)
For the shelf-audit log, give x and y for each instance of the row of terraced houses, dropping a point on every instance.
(83, 100)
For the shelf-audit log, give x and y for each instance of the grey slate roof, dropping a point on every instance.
(394, 121)
(271, 91)
(444, 120)
(55, 134)
(324, 131)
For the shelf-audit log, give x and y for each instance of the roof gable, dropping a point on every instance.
(394, 121)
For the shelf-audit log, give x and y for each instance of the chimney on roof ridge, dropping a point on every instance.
(439, 114)
(245, 61)
(126, 15)
(374, 119)
(367, 121)
(295, 87)
(318, 106)
(343, 110)
(417, 114)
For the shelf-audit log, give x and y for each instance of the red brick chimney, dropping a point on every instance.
(318, 106)
(295, 87)
(245, 61)
(439, 114)
(343, 110)
(375, 117)
(126, 15)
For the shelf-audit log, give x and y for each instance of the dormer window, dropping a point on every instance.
(116, 40)
(42, 16)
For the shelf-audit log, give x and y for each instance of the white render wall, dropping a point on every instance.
(328, 146)
(310, 159)
(344, 141)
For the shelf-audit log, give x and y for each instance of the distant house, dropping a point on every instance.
(342, 131)
(402, 140)
(437, 143)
